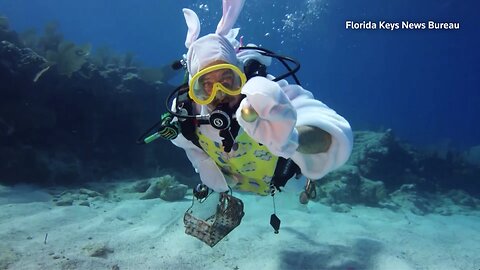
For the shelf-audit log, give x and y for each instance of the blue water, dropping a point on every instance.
(422, 84)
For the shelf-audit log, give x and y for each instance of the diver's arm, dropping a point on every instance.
(209, 172)
(311, 140)
(318, 139)
(276, 118)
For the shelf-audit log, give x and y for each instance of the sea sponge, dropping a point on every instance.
(158, 74)
(50, 40)
(103, 56)
(4, 23)
(29, 39)
(69, 57)
(166, 181)
(472, 155)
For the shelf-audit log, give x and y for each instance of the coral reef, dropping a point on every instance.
(19, 63)
(4, 25)
(380, 156)
(161, 74)
(472, 155)
(103, 56)
(5, 33)
(49, 41)
(71, 130)
(384, 172)
(166, 188)
(83, 197)
(347, 186)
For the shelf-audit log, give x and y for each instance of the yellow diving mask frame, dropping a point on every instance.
(204, 86)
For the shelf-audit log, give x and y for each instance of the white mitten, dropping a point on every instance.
(275, 125)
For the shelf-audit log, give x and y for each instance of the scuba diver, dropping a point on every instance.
(245, 129)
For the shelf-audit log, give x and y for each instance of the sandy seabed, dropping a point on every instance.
(149, 234)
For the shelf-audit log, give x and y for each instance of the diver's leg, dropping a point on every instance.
(309, 193)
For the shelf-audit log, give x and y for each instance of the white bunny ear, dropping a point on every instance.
(231, 10)
(232, 35)
(193, 24)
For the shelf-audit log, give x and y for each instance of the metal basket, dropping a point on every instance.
(228, 216)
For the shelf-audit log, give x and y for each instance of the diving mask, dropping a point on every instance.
(204, 85)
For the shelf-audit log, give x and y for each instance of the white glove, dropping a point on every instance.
(275, 125)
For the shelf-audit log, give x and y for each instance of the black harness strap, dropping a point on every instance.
(188, 126)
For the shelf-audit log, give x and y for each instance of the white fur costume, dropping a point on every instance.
(280, 106)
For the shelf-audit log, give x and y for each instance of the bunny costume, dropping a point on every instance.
(281, 106)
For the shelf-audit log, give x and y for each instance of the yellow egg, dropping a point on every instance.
(249, 114)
